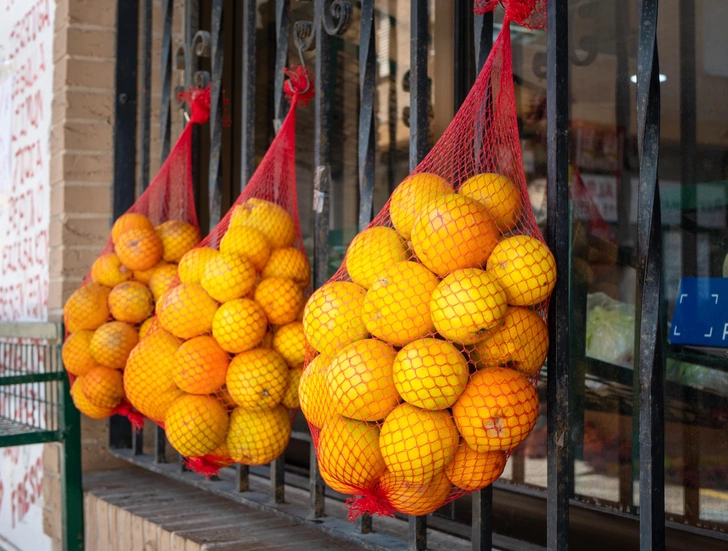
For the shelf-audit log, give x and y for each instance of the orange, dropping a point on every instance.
(397, 305)
(497, 410)
(103, 387)
(112, 343)
(337, 486)
(525, 268)
(109, 271)
(76, 353)
(200, 366)
(499, 194)
(196, 425)
(360, 380)
(226, 400)
(228, 277)
(467, 305)
(333, 316)
(416, 443)
(257, 379)
(163, 278)
(139, 249)
(145, 327)
(290, 342)
(411, 196)
(258, 437)
(454, 232)
(192, 266)
(313, 393)
(372, 251)
(186, 311)
(177, 238)
(415, 499)
(430, 373)
(239, 325)
(349, 452)
(131, 302)
(281, 299)
(290, 396)
(86, 407)
(288, 263)
(143, 276)
(521, 342)
(86, 308)
(127, 222)
(248, 242)
(271, 219)
(220, 456)
(471, 470)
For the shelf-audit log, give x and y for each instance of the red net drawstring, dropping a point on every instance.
(372, 502)
(299, 84)
(135, 418)
(199, 102)
(207, 466)
(528, 13)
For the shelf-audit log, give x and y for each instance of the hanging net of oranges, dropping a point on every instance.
(425, 347)
(220, 367)
(114, 307)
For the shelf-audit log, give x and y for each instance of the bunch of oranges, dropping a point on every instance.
(220, 368)
(428, 343)
(107, 316)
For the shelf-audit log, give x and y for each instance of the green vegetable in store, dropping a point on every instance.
(609, 329)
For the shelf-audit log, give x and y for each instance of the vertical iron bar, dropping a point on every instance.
(367, 81)
(282, 38)
(417, 528)
(557, 102)
(247, 153)
(482, 537)
(316, 487)
(146, 93)
(165, 111)
(278, 480)
(216, 59)
(160, 445)
(242, 473)
(649, 338)
(137, 441)
(71, 477)
(192, 25)
(483, 38)
(463, 28)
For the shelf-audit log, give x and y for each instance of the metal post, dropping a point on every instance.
(247, 149)
(72, 490)
(146, 93)
(282, 32)
(160, 445)
(165, 111)
(277, 479)
(215, 170)
(482, 537)
(367, 81)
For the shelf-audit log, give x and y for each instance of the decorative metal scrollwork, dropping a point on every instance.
(337, 18)
(303, 36)
(200, 47)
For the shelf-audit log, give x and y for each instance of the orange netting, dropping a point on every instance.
(219, 369)
(426, 345)
(114, 307)
(528, 13)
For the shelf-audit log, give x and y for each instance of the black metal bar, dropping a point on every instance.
(146, 93)
(242, 475)
(483, 38)
(557, 105)
(367, 81)
(365, 523)
(247, 153)
(215, 169)
(165, 111)
(282, 34)
(192, 25)
(419, 89)
(316, 487)
(482, 537)
(649, 310)
(463, 32)
(278, 480)
(160, 445)
(417, 533)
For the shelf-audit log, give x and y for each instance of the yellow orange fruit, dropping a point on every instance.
(290, 396)
(397, 305)
(145, 327)
(258, 437)
(192, 266)
(290, 342)
(372, 251)
(410, 198)
(127, 222)
(103, 387)
(139, 249)
(471, 470)
(272, 220)
(417, 443)
(467, 305)
(288, 263)
(349, 452)
(333, 316)
(177, 238)
(228, 277)
(415, 499)
(281, 299)
(239, 325)
(87, 308)
(84, 406)
(186, 311)
(112, 343)
(526, 269)
(337, 486)
(109, 271)
(313, 393)
(76, 353)
(360, 380)
(454, 232)
(220, 456)
(520, 342)
(247, 242)
(196, 425)
(499, 194)
(497, 410)
(131, 302)
(256, 379)
(143, 276)
(430, 373)
(162, 280)
(200, 365)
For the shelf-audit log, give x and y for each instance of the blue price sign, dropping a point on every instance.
(701, 312)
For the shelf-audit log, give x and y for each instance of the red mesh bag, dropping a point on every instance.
(219, 370)
(114, 306)
(426, 345)
(528, 13)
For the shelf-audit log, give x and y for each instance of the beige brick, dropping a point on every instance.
(52, 490)
(114, 529)
(84, 73)
(91, 523)
(123, 519)
(84, 199)
(84, 136)
(52, 518)
(192, 546)
(86, 168)
(99, 13)
(84, 231)
(151, 535)
(52, 458)
(75, 41)
(102, 519)
(83, 105)
(180, 543)
(165, 540)
(137, 533)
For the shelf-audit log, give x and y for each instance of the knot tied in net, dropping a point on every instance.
(372, 502)
(299, 84)
(527, 13)
(199, 102)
